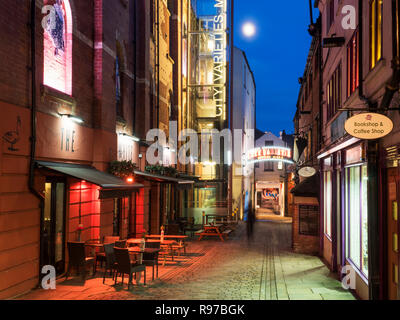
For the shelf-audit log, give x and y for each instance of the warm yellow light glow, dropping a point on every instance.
(249, 29)
(373, 34)
(210, 45)
(379, 32)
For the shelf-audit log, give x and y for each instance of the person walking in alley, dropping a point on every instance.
(250, 222)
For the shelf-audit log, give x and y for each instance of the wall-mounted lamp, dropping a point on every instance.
(71, 117)
(136, 139)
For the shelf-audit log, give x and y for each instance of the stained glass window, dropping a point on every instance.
(57, 46)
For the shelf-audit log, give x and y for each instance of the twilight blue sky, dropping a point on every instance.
(277, 55)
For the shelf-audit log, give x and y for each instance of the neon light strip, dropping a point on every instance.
(270, 147)
(271, 160)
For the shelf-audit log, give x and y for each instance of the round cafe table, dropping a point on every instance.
(168, 243)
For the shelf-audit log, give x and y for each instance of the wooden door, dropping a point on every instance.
(393, 234)
(52, 236)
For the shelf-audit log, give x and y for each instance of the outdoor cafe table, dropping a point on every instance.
(217, 217)
(179, 238)
(137, 250)
(168, 243)
(167, 236)
(212, 230)
(94, 246)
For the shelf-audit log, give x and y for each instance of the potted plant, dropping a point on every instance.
(122, 169)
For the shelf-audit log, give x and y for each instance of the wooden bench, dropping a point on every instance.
(221, 234)
(227, 232)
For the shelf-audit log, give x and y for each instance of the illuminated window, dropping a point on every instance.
(57, 47)
(356, 202)
(375, 31)
(328, 203)
(334, 92)
(269, 165)
(352, 64)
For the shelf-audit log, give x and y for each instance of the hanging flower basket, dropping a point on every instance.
(122, 169)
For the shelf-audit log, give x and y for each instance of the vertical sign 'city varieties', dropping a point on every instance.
(219, 56)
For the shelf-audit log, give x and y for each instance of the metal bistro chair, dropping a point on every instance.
(111, 263)
(78, 259)
(126, 266)
(101, 256)
(120, 244)
(151, 259)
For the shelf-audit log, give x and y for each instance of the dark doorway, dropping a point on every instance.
(52, 235)
(117, 216)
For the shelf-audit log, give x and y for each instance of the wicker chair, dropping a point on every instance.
(101, 256)
(126, 266)
(151, 259)
(78, 259)
(111, 263)
(120, 244)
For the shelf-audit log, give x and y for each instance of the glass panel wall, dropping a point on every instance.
(328, 203)
(356, 218)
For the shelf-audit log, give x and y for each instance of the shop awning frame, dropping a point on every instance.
(106, 181)
(309, 187)
(164, 179)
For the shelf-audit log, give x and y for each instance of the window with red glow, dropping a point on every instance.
(57, 46)
(352, 64)
(334, 92)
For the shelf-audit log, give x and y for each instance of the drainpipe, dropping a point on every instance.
(372, 164)
(158, 63)
(33, 98)
(31, 178)
(311, 12)
(134, 68)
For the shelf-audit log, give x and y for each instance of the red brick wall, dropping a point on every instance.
(303, 243)
(92, 99)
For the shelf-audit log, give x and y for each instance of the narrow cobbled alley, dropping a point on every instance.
(261, 269)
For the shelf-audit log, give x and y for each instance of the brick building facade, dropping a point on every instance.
(66, 128)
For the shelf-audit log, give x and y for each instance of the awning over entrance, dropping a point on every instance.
(111, 185)
(308, 187)
(182, 183)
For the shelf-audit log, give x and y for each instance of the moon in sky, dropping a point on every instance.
(249, 29)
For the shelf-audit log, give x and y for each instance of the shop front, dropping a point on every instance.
(270, 197)
(344, 212)
(159, 202)
(80, 203)
(390, 258)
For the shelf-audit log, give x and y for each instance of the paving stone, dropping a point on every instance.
(305, 297)
(237, 269)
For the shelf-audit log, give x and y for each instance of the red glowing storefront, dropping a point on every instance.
(81, 203)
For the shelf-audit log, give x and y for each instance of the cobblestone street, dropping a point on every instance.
(263, 269)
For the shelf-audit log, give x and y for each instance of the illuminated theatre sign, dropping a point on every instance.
(265, 154)
(219, 56)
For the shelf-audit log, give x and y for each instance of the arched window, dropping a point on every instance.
(57, 46)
